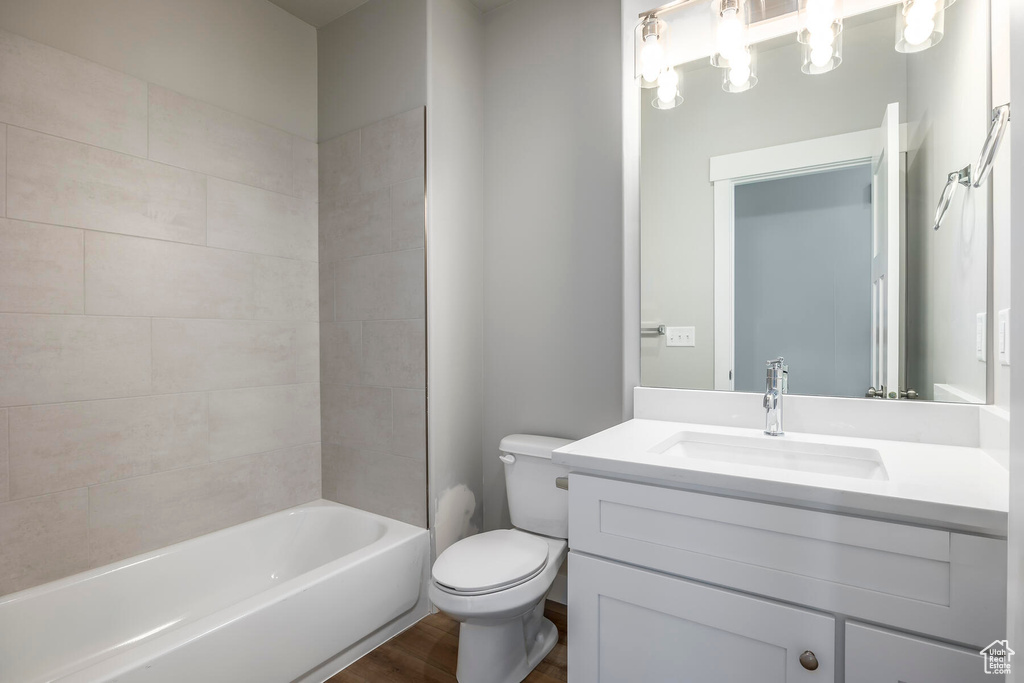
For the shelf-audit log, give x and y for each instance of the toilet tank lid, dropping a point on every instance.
(529, 444)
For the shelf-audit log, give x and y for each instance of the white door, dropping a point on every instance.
(885, 255)
(630, 625)
(874, 655)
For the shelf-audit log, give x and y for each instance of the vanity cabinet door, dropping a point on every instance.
(629, 625)
(874, 655)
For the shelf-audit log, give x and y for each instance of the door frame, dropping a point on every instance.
(817, 155)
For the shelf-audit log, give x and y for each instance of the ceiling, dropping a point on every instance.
(319, 13)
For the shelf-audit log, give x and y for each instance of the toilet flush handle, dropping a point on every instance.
(507, 458)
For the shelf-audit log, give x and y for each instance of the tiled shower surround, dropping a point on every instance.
(372, 311)
(159, 341)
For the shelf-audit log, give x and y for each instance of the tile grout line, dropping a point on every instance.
(157, 162)
(168, 241)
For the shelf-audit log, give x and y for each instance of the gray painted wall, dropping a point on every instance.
(455, 268)
(803, 281)
(372, 65)
(247, 56)
(947, 271)
(553, 217)
(677, 200)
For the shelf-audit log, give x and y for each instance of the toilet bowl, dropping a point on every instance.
(495, 583)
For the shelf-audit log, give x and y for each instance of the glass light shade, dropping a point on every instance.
(919, 24)
(651, 38)
(822, 53)
(729, 22)
(821, 34)
(668, 96)
(740, 72)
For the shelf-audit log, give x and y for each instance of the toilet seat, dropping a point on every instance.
(490, 562)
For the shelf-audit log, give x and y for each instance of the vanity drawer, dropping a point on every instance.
(934, 582)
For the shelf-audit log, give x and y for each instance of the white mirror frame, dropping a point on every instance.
(768, 163)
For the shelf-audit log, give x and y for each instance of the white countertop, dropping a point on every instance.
(948, 487)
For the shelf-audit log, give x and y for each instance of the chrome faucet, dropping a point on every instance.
(776, 384)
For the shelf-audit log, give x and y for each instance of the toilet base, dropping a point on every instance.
(504, 651)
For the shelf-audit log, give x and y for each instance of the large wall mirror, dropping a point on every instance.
(797, 219)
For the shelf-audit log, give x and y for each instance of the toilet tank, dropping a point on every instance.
(534, 502)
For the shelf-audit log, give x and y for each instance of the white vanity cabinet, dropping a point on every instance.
(630, 625)
(874, 655)
(676, 585)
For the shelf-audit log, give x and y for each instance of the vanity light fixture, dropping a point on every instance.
(668, 89)
(653, 58)
(729, 21)
(820, 35)
(741, 71)
(919, 24)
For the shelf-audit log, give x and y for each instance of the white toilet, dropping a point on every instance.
(495, 583)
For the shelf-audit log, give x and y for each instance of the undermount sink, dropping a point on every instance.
(776, 452)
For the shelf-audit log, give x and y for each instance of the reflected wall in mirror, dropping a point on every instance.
(796, 219)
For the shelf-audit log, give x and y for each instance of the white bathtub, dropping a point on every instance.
(294, 596)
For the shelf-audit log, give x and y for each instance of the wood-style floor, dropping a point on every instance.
(427, 653)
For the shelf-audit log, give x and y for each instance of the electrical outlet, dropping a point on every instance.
(1003, 336)
(681, 336)
(979, 336)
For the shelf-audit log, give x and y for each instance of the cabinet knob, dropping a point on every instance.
(808, 660)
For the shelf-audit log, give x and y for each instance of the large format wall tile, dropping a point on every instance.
(410, 416)
(355, 226)
(52, 180)
(360, 416)
(133, 516)
(143, 277)
(392, 151)
(381, 287)
(43, 538)
(388, 485)
(199, 355)
(305, 166)
(40, 268)
(341, 352)
(192, 134)
(286, 289)
(408, 215)
(339, 167)
(250, 219)
(4, 490)
(54, 92)
(246, 421)
(69, 445)
(50, 359)
(394, 353)
(287, 478)
(3, 170)
(327, 276)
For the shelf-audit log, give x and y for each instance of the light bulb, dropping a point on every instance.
(821, 56)
(918, 32)
(667, 93)
(729, 40)
(922, 11)
(821, 40)
(669, 78)
(820, 15)
(741, 59)
(652, 54)
(739, 75)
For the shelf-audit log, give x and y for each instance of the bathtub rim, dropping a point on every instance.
(396, 533)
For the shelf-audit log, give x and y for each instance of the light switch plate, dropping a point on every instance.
(681, 336)
(979, 336)
(1003, 337)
